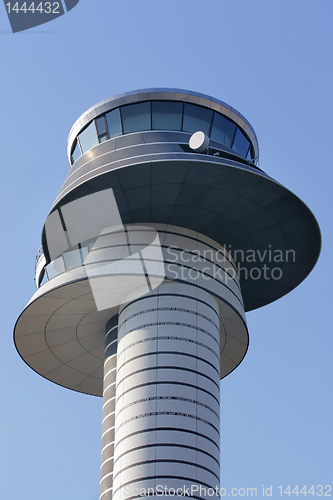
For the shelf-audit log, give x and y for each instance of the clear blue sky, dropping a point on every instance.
(272, 61)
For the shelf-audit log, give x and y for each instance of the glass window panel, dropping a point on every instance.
(100, 125)
(101, 129)
(223, 130)
(72, 259)
(84, 253)
(167, 115)
(197, 118)
(88, 138)
(55, 267)
(249, 156)
(241, 144)
(114, 125)
(77, 152)
(136, 117)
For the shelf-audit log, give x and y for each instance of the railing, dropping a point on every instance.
(38, 256)
(69, 260)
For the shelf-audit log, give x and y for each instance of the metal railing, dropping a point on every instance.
(38, 256)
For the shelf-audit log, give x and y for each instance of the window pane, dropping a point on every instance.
(84, 253)
(167, 115)
(114, 125)
(223, 130)
(88, 138)
(241, 144)
(72, 259)
(55, 267)
(197, 118)
(101, 130)
(76, 153)
(249, 156)
(136, 117)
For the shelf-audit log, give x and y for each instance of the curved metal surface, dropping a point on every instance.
(155, 181)
(162, 94)
(61, 334)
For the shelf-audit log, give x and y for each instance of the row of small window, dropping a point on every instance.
(162, 115)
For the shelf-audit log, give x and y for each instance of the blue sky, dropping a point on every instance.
(272, 61)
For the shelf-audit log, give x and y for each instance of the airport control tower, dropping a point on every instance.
(164, 233)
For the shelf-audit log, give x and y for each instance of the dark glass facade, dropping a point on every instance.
(162, 115)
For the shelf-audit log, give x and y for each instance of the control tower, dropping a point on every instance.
(164, 233)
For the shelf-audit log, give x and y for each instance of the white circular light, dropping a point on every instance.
(199, 142)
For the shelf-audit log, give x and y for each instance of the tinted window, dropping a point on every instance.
(167, 115)
(114, 125)
(241, 144)
(197, 118)
(76, 153)
(136, 117)
(72, 259)
(249, 156)
(55, 267)
(101, 129)
(88, 138)
(223, 130)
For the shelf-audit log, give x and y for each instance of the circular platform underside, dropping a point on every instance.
(61, 334)
(259, 221)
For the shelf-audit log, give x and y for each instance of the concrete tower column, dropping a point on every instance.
(167, 392)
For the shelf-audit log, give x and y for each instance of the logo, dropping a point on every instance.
(87, 238)
(25, 15)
